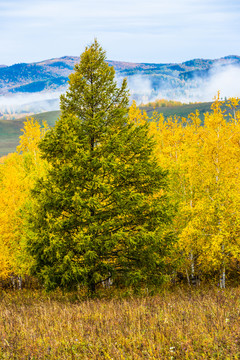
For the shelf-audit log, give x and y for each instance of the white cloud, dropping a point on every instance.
(136, 30)
(226, 80)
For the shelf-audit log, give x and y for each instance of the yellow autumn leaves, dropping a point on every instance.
(204, 182)
(18, 172)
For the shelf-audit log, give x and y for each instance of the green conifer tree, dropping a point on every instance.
(100, 211)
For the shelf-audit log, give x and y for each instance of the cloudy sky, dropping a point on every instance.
(129, 30)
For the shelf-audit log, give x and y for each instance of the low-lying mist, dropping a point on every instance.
(225, 79)
(17, 105)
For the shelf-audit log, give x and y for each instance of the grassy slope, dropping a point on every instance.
(10, 130)
(182, 111)
(50, 117)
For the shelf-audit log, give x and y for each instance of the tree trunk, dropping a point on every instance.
(92, 288)
(223, 278)
(16, 282)
(223, 275)
(194, 280)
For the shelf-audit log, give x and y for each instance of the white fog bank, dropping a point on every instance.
(225, 79)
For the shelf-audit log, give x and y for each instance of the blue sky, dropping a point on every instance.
(129, 30)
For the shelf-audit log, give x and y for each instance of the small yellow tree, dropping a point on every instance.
(18, 172)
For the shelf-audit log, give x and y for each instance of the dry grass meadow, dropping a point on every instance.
(179, 324)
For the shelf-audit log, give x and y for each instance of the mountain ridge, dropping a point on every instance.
(30, 88)
(52, 74)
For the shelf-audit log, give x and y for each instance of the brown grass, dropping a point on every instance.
(179, 324)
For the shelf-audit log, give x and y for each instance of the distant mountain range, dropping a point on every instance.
(53, 74)
(146, 81)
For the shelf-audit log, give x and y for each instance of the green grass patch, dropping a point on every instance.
(10, 130)
(181, 111)
(50, 117)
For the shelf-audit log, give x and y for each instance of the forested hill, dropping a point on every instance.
(53, 74)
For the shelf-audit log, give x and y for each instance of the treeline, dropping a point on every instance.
(111, 197)
(162, 103)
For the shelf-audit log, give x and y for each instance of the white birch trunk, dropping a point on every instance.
(223, 275)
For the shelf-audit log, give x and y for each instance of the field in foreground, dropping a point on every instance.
(180, 324)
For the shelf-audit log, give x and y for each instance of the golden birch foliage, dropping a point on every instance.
(12, 196)
(220, 188)
(203, 164)
(17, 175)
(177, 152)
(233, 104)
(208, 191)
(33, 132)
(136, 116)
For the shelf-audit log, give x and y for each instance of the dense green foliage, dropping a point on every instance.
(100, 211)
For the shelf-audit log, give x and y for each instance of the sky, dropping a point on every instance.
(153, 31)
